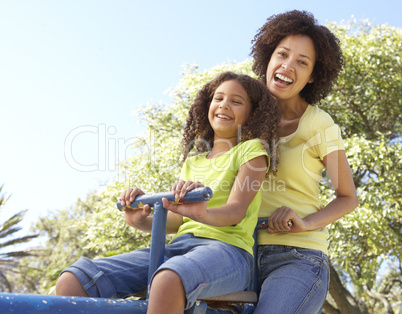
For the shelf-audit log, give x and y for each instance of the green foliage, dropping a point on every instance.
(65, 233)
(366, 101)
(370, 235)
(367, 97)
(9, 241)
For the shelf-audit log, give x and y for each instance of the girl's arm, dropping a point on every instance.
(346, 200)
(245, 187)
(140, 219)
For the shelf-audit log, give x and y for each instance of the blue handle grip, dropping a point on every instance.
(195, 195)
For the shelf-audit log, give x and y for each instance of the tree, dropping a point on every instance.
(367, 97)
(9, 257)
(366, 102)
(365, 245)
(65, 231)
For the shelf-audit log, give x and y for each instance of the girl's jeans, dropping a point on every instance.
(206, 267)
(291, 280)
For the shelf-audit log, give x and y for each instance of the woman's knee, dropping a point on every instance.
(69, 285)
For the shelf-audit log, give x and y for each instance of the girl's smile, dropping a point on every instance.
(229, 109)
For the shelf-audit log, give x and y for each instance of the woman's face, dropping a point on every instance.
(291, 66)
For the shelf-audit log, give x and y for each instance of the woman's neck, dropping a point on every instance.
(291, 112)
(292, 109)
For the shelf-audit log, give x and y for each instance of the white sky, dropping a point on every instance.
(72, 71)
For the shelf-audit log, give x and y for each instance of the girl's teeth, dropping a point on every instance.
(223, 117)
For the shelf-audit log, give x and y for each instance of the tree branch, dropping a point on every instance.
(379, 297)
(356, 108)
(329, 309)
(5, 281)
(344, 300)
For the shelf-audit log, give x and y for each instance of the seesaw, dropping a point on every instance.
(241, 302)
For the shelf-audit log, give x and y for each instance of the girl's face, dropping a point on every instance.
(291, 66)
(230, 108)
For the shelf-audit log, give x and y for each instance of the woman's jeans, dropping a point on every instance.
(291, 280)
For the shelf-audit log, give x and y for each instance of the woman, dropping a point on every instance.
(299, 61)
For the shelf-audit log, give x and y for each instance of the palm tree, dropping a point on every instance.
(9, 257)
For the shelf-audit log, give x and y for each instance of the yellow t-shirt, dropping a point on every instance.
(299, 172)
(219, 174)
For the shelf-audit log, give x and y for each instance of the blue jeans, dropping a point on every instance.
(291, 280)
(206, 268)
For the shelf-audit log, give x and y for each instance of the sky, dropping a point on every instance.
(72, 72)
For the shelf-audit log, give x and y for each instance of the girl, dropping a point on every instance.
(225, 142)
(299, 60)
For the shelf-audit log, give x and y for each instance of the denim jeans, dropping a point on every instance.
(291, 280)
(206, 268)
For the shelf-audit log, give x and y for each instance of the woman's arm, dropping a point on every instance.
(346, 200)
(244, 189)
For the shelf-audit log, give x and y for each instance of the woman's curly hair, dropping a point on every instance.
(262, 123)
(329, 58)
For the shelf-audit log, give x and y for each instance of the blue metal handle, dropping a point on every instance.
(195, 195)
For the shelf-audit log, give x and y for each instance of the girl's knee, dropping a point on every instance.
(167, 293)
(167, 277)
(166, 281)
(69, 285)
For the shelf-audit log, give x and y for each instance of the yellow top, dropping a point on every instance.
(299, 172)
(219, 174)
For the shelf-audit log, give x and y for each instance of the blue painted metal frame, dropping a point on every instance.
(50, 304)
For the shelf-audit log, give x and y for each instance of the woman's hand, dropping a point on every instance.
(284, 219)
(195, 211)
(346, 200)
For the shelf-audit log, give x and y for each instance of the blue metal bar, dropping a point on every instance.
(157, 251)
(196, 195)
(262, 223)
(49, 304)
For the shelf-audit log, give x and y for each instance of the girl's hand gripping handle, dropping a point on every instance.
(196, 195)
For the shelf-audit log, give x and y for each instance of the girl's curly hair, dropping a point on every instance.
(329, 58)
(262, 123)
